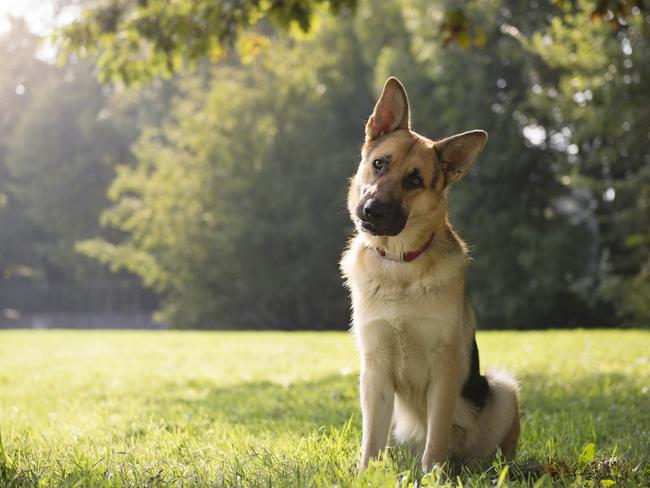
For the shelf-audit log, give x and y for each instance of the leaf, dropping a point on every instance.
(463, 39)
(479, 38)
(635, 240)
(607, 482)
(502, 477)
(250, 45)
(588, 453)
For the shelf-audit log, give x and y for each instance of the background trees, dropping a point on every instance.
(230, 203)
(236, 208)
(598, 131)
(61, 135)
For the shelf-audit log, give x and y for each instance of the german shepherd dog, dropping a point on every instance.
(414, 325)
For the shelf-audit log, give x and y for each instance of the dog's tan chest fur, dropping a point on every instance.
(405, 316)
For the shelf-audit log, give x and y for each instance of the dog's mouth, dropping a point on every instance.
(381, 230)
(369, 228)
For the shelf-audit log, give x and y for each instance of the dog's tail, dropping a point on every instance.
(499, 419)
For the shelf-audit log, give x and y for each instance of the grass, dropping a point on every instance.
(99, 408)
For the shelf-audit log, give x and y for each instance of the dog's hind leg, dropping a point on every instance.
(498, 420)
(509, 443)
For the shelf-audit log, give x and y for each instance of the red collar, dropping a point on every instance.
(406, 257)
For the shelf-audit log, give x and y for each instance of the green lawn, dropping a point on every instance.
(281, 409)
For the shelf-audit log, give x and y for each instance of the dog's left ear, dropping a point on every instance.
(458, 153)
(391, 111)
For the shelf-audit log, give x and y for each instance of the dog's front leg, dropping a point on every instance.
(376, 407)
(442, 394)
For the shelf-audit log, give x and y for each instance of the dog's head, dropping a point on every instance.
(403, 176)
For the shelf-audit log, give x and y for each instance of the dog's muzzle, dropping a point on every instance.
(381, 218)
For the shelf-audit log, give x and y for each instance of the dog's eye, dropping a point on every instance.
(378, 164)
(413, 181)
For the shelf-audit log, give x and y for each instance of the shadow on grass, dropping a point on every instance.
(605, 406)
(269, 407)
(559, 417)
(609, 409)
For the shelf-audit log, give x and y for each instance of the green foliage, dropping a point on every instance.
(59, 192)
(20, 78)
(235, 211)
(139, 39)
(282, 409)
(61, 135)
(598, 81)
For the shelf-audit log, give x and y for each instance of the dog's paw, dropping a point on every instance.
(431, 464)
(430, 467)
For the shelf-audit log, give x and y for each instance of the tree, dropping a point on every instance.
(596, 88)
(61, 135)
(235, 212)
(21, 77)
(140, 39)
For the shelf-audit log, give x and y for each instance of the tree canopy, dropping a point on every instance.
(136, 40)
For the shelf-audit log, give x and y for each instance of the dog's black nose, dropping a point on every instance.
(372, 210)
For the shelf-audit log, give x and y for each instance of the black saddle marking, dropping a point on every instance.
(476, 388)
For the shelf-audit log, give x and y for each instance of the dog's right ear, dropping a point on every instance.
(391, 111)
(458, 153)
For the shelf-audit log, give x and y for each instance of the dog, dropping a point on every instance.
(413, 322)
